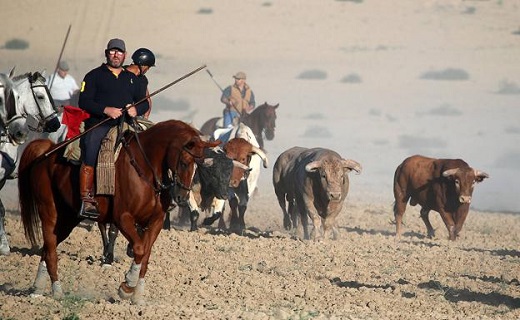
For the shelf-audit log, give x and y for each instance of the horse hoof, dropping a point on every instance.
(125, 292)
(5, 250)
(57, 291)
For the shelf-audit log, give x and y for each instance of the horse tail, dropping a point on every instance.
(28, 204)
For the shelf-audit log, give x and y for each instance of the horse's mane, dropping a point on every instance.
(185, 131)
(32, 76)
(10, 103)
(21, 76)
(260, 108)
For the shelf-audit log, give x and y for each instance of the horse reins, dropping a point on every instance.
(158, 186)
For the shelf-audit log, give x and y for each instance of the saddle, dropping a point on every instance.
(108, 153)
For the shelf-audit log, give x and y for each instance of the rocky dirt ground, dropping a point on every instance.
(269, 273)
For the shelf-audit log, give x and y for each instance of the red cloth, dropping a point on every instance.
(72, 118)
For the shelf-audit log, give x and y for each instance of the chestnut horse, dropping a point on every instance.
(262, 120)
(149, 165)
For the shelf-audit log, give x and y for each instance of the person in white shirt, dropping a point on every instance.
(62, 87)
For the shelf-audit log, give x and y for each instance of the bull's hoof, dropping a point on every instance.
(287, 223)
(210, 220)
(125, 292)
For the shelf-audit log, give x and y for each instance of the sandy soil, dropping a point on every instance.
(376, 81)
(268, 273)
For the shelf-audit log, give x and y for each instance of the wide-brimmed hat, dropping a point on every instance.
(240, 75)
(116, 44)
(63, 65)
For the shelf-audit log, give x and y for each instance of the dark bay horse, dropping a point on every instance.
(262, 121)
(149, 165)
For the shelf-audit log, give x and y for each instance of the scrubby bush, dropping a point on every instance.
(16, 44)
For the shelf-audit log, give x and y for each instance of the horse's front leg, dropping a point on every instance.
(4, 243)
(133, 287)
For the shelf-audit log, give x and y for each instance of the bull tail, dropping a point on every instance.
(31, 156)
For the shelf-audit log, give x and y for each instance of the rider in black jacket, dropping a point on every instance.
(105, 92)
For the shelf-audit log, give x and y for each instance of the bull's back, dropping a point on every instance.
(413, 175)
(283, 169)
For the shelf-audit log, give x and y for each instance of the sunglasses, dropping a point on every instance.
(115, 52)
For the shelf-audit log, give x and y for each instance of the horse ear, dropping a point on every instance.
(11, 73)
(44, 72)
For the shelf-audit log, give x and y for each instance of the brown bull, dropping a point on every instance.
(442, 185)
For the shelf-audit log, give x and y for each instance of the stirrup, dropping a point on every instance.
(92, 215)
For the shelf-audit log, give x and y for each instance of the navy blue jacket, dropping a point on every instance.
(101, 88)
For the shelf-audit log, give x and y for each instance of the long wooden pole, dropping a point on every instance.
(59, 58)
(124, 109)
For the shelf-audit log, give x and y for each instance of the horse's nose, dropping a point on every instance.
(52, 125)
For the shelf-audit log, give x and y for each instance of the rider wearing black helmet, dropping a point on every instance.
(142, 60)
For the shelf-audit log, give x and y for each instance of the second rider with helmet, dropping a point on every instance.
(142, 60)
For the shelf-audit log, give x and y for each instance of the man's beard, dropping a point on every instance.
(114, 64)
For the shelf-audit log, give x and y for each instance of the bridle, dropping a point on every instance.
(8, 133)
(33, 122)
(158, 185)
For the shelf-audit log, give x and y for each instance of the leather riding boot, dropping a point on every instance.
(86, 183)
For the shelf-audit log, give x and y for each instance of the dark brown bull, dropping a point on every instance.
(442, 185)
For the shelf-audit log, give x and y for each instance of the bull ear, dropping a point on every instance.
(351, 165)
(313, 166)
(480, 176)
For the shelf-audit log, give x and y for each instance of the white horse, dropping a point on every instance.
(25, 104)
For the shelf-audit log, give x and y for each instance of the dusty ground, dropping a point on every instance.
(268, 273)
(376, 81)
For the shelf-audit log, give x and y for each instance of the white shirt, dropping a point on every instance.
(62, 88)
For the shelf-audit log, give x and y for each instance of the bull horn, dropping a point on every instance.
(11, 73)
(481, 175)
(311, 167)
(449, 172)
(208, 162)
(262, 155)
(352, 165)
(240, 165)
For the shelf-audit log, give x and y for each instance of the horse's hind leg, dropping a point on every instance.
(4, 243)
(109, 242)
(53, 234)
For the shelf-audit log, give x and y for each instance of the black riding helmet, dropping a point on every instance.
(143, 57)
